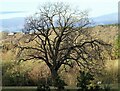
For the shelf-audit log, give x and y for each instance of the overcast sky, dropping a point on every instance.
(24, 8)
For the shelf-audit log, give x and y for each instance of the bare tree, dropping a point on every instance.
(61, 37)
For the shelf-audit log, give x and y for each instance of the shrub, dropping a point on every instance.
(85, 80)
(107, 87)
(43, 86)
(15, 75)
(60, 83)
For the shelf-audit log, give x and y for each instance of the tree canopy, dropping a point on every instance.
(61, 37)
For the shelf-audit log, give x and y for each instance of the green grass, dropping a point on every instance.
(51, 90)
(30, 88)
(18, 90)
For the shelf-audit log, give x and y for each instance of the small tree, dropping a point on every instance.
(84, 80)
(60, 36)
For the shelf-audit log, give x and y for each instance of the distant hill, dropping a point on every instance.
(12, 24)
(16, 24)
(106, 19)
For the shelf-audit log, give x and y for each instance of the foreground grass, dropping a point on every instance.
(51, 90)
(67, 88)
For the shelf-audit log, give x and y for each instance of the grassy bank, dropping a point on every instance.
(114, 87)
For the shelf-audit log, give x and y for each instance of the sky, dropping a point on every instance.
(24, 8)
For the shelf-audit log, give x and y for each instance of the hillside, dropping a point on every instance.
(16, 24)
(8, 42)
(35, 69)
(106, 19)
(104, 32)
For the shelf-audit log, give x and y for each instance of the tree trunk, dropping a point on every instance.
(54, 76)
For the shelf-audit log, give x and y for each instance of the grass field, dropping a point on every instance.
(51, 90)
(114, 87)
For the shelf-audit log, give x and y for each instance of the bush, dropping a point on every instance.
(60, 83)
(43, 86)
(85, 80)
(15, 75)
(107, 87)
